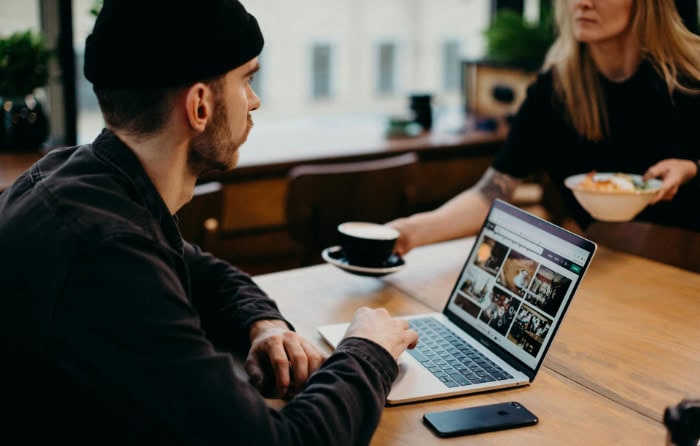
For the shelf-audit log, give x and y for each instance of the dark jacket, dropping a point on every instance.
(113, 321)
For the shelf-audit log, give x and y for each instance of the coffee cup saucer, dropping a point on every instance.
(336, 257)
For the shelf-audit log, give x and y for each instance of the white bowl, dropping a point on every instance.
(613, 205)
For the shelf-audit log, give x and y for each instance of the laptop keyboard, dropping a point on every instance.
(450, 358)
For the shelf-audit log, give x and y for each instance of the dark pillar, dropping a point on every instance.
(67, 61)
(57, 23)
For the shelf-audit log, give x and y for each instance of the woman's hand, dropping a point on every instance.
(673, 173)
(405, 241)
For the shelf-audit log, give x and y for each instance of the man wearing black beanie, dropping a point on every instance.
(113, 315)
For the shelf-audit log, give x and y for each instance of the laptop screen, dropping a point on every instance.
(518, 281)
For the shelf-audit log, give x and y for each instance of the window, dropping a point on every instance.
(321, 71)
(345, 53)
(341, 75)
(386, 79)
(362, 57)
(452, 62)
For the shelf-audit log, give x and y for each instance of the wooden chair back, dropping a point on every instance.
(196, 218)
(321, 196)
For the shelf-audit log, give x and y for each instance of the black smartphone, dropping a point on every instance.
(474, 420)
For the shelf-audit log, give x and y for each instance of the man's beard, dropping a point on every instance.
(215, 148)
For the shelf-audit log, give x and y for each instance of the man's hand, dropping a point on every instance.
(378, 326)
(280, 361)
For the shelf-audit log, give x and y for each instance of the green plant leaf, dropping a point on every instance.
(24, 62)
(96, 6)
(511, 40)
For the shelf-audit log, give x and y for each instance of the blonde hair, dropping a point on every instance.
(665, 42)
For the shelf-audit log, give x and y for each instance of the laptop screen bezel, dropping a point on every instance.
(559, 232)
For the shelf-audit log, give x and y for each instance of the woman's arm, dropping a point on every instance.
(461, 216)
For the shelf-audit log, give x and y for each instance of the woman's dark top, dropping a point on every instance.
(646, 126)
(109, 321)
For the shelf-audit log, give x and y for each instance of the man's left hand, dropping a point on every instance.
(280, 361)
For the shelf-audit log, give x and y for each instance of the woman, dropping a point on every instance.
(619, 91)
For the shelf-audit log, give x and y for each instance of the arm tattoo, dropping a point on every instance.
(494, 184)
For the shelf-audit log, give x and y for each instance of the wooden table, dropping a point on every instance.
(627, 348)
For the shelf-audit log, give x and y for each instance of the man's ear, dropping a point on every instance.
(199, 106)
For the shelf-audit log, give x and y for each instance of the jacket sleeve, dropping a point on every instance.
(227, 299)
(125, 325)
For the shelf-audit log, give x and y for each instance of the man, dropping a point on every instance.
(112, 318)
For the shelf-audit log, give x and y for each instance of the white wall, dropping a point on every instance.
(354, 28)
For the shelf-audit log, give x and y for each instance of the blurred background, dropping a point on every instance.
(349, 58)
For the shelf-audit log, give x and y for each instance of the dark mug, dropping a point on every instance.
(421, 104)
(367, 244)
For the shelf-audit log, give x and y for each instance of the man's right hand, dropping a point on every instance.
(378, 326)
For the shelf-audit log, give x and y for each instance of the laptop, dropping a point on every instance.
(502, 314)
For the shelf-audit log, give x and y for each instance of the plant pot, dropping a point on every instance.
(24, 127)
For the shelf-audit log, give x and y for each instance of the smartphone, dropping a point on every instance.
(474, 420)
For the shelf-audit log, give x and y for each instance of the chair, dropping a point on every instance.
(321, 196)
(674, 246)
(199, 218)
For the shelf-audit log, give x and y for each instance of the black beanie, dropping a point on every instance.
(155, 43)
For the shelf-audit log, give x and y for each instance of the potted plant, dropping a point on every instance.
(24, 60)
(511, 40)
(515, 50)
